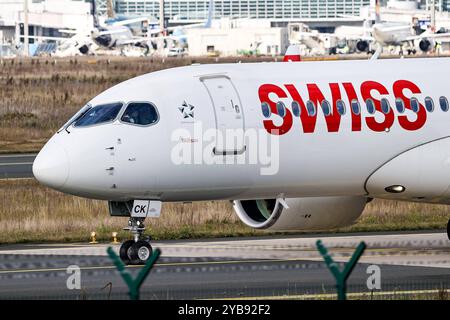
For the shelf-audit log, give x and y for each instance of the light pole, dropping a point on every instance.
(161, 16)
(433, 16)
(25, 28)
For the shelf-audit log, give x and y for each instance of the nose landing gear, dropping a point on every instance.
(139, 250)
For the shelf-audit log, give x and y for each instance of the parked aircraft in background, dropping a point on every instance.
(86, 41)
(117, 33)
(383, 33)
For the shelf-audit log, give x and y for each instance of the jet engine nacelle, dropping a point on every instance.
(300, 214)
(426, 45)
(362, 46)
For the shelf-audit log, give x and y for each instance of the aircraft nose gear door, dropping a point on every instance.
(229, 116)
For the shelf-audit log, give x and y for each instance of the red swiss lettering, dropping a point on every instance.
(351, 95)
(264, 91)
(398, 88)
(366, 92)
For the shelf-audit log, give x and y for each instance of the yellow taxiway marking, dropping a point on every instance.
(174, 264)
(334, 296)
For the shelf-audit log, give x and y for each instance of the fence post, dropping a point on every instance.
(134, 285)
(341, 276)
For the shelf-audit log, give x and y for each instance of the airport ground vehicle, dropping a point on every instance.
(176, 52)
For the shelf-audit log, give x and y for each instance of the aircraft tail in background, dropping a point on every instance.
(292, 54)
(210, 14)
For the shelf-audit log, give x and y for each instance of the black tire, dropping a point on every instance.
(124, 251)
(448, 229)
(140, 252)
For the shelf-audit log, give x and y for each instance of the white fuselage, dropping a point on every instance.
(391, 33)
(336, 156)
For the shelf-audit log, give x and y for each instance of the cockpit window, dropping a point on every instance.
(140, 113)
(99, 114)
(75, 117)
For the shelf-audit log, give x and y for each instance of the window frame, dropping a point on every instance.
(262, 111)
(344, 107)
(428, 98)
(309, 102)
(411, 104)
(283, 106)
(355, 102)
(372, 102)
(75, 117)
(397, 101)
(118, 116)
(446, 102)
(388, 103)
(135, 124)
(299, 109)
(328, 105)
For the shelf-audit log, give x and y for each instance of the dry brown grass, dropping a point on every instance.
(40, 95)
(31, 212)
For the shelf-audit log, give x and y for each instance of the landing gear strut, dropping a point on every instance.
(139, 250)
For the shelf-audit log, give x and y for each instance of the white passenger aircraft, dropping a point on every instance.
(385, 33)
(340, 133)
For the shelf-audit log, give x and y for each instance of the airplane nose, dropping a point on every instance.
(51, 166)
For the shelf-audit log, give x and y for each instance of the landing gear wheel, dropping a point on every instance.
(124, 251)
(448, 229)
(140, 252)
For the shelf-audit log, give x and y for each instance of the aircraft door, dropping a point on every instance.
(229, 117)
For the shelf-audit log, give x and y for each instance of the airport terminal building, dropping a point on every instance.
(195, 10)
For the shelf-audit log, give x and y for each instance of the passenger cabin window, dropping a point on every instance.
(295, 109)
(443, 102)
(429, 104)
(370, 106)
(281, 109)
(356, 108)
(385, 106)
(415, 106)
(400, 105)
(140, 113)
(340, 106)
(265, 109)
(326, 108)
(99, 114)
(311, 108)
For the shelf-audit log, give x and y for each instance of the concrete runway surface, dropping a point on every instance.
(15, 166)
(267, 267)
